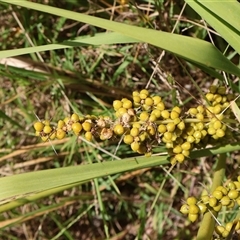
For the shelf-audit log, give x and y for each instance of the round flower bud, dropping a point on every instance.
(88, 136)
(180, 157)
(186, 146)
(191, 201)
(192, 217)
(134, 132)
(144, 94)
(220, 133)
(190, 139)
(192, 111)
(217, 109)
(218, 207)
(209, 97)
(186, 153)
(38, 126)
(229, 226)
(237, 184)
(52, 135)
(212, 202)
(135, 93)
(219, 229)
(225, 233)
(74, 117)
(225, 200)
(162, 128)
(156, 112)
(121, 111)
(135, 146)
(200, 116)
(46, 122)
(200, 109)
(174, 114)
(202, 207)
(233, 194)
(156, 100)
(231, 185)
(184, 209)
(44, 138)
(231, 205)
(165, 114)
(217, 194)
(170, 127)
(118, 129)
(160, 106)
(213, 89)
(47, 129)
(149, 101)
(221, 90)
(76, 127)
(60, 124)
(87, 126)
(151, 130)
(152, 118)
(181, 125)
(177, 149)
(222, 189)
(60, 134)
(128, 139)
(66, 120)
(144, 116)
(136, 100)
(194, 209)
(197, 135)
(168, 135)
(205, 199)
(127, 104)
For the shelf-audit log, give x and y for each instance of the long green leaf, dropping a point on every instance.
(191, 49)
(98, 39)
(223, 16)
(36, 182)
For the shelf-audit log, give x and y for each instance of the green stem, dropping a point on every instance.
(208, 222)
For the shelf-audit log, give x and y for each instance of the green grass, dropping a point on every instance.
(69, 64)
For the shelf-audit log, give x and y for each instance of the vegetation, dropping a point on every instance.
(148, 131)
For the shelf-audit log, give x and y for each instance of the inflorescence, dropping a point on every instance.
(144, 122)
(228, 197)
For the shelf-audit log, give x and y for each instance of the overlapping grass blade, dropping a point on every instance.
(191, 49)
(223, 16)
(98, 39)
(34, 182)
(52, 180)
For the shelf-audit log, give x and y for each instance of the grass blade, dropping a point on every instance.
(191, 49)
(98, 39)
(223, 16)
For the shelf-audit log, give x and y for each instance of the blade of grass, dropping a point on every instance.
(98, 39)
(43, 180)
(191, 49)
(36, 182)
(223, 16)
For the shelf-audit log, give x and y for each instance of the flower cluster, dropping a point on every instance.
(144, 122)
(228, 197)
